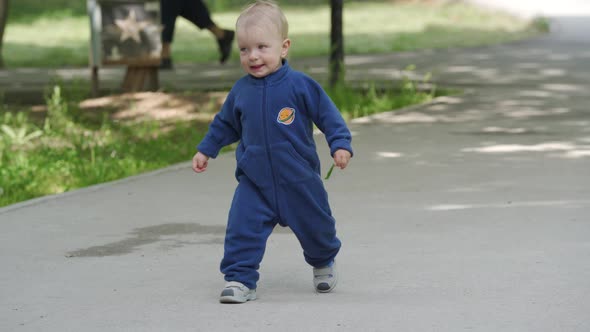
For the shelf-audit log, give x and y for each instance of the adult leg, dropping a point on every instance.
(305, 209)
(197, 12)
(251, 221)
(169, 11)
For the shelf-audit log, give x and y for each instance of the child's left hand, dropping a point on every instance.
(341, 158)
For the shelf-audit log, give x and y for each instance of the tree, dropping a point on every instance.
(3, 17)
(336, 44)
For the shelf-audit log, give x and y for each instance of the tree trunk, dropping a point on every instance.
(3, 17)
(336, 44)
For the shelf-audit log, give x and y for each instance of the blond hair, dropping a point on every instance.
(265, 10)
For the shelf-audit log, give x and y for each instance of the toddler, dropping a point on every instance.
(271, 111)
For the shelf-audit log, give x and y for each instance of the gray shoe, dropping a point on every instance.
(325, 278)
(236, 292)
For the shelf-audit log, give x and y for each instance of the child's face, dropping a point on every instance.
(261, 48)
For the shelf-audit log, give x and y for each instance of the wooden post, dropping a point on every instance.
(95, 53)
(336, 44)
(95, 88)
(141, 78)
(3, 17)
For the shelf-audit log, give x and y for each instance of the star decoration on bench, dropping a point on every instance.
(130, 27)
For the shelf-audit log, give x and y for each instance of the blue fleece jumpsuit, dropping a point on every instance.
(278, 169)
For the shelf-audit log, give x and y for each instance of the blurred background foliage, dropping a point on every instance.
(26, 10)
(55, 33)
(60, 146)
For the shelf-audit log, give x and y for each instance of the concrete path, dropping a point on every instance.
(470, 213)
(532, 8)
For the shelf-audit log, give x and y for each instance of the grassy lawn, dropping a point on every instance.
(60, 37)
(69, 144)
(73, 142)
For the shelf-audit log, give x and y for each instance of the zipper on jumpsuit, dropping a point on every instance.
(267, 149)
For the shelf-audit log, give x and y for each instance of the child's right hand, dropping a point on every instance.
(200, 162)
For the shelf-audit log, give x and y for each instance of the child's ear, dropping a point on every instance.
(285, 50)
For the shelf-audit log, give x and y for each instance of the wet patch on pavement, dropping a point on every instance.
(171, 235)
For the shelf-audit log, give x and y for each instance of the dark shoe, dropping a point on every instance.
(166, 64)
(225, 45)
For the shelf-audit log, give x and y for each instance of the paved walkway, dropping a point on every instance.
(470, 213)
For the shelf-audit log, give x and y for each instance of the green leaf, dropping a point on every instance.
(9, 131)
(329, 172)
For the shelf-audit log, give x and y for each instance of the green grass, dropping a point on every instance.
(70, 148)
(72, 151)
(359, 102)
(26, 11)
(59, 38)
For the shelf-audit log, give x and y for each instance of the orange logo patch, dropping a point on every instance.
(286, 116)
